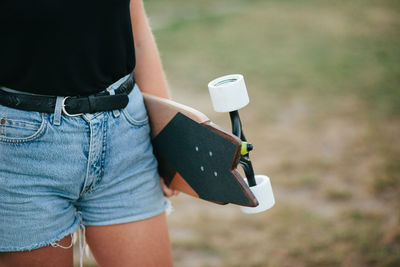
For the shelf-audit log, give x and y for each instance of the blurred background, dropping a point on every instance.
(324, 117)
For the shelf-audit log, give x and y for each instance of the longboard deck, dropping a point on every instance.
(195, 156)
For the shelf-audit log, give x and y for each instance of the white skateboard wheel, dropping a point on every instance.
(263, 192)
(228, 93)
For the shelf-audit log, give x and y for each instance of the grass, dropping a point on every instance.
(289, 47)
(324, 83)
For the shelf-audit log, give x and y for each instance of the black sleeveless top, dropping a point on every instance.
(64, 47)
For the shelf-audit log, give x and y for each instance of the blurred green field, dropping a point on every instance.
(345, 47)
(324, 82)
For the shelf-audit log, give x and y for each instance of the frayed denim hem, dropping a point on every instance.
(167, 207)
(50, 242)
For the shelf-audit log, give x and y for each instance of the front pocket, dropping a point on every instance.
(17, 126)
(135, 112)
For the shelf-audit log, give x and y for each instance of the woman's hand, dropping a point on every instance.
(168, 192)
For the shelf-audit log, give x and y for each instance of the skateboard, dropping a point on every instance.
(197, 157)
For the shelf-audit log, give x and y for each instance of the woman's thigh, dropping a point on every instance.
(140, 243)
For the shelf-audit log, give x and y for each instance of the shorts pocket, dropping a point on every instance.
(135, 112)
(18, 126)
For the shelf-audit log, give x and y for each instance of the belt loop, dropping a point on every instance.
(116, 111)
(58, 110)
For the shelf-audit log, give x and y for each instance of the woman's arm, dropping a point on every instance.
(149, 73)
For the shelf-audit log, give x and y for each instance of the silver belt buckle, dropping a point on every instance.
(65, 111)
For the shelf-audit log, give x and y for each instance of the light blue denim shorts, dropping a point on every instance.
(94, 169)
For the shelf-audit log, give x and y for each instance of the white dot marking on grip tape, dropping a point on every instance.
(196, 148)
(215, 174)
(210, 153)
(202, 168)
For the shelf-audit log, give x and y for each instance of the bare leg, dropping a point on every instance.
(140, 243)
(41, 257)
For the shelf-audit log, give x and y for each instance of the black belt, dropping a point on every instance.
(71, 105)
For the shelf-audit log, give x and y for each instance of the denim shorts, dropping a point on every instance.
(93, 169)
